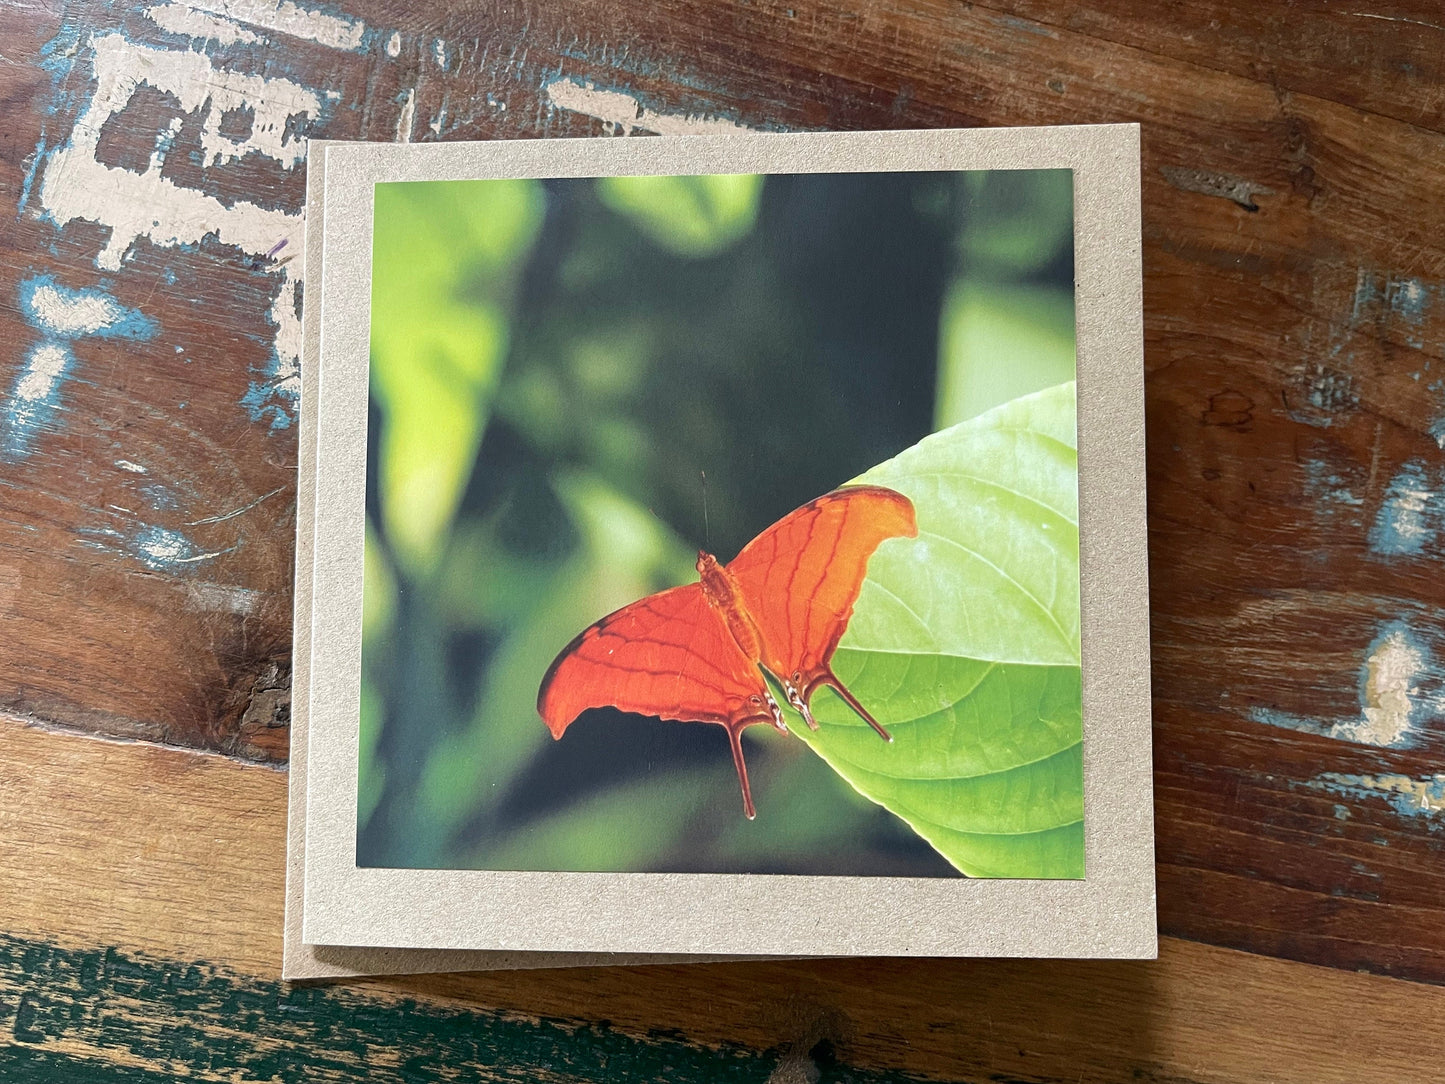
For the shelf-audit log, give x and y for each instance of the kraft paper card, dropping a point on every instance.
(724, 546)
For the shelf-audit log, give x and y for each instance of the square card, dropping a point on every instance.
(910, 716)
(299, 960)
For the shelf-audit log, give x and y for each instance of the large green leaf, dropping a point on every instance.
(965, 645)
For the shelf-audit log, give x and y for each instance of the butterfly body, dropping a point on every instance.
(698, 653)
(725, 596)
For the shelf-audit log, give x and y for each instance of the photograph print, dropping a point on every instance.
(723, 524)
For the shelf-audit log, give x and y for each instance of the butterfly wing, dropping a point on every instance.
(667, 655)
(801, 577)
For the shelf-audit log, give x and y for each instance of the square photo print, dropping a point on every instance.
(723, 523)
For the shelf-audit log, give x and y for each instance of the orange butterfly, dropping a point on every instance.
(698, 653)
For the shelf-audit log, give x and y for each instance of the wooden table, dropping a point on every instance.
(1294, 241)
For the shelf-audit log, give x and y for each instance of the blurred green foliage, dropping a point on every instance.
(575, 384)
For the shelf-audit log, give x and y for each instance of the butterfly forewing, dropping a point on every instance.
(801, 576)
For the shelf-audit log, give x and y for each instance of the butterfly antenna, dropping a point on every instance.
(706, 539)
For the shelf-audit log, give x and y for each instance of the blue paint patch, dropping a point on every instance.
(1409, 298)
(1437, 431)
(1418, 798)
(34, 402)
(267, 405)
(66, 313)
(1413, 513)
(1285, 720)
(160, 548)
(273, 401)
(36, 157)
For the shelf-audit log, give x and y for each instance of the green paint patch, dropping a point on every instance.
(110, 1017)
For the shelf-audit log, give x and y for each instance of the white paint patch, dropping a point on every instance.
(42, 372)
(160, 549)
(407, 119)
(1399, 689)
(284, 17)
(393, 44)
(152, 206)
(200, 25)
(439, 53)
(285, 377)
(127, 465)
(623, 112)
(73, 313)
(136, 205)
(1390, 673)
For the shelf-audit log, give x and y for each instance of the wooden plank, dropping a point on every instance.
(1295, 294)
(141, 889)
(1380, 58)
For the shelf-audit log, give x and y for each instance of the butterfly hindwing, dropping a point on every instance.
(666, 655)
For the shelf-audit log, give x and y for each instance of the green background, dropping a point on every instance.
(555, 366)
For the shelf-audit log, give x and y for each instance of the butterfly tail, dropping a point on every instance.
(735, 739)
(831, 680)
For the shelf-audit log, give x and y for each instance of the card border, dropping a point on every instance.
(1110, 913)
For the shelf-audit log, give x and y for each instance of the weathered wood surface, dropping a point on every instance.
(143, 943)
(1294, 171)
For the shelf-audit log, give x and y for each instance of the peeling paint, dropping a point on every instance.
(149, 205)
(1399, 687)
(622, 112)
(1410, 299)
(407, 119)
(66, 313)
(1437, 433)
(200, 25)
(1413, 513)
(285, 17)
(1422, 797)
(162, 549)
(133, 468)
(393, 44)
(34, 398)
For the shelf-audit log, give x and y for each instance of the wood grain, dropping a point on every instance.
(171, 862)
(1295, 299)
